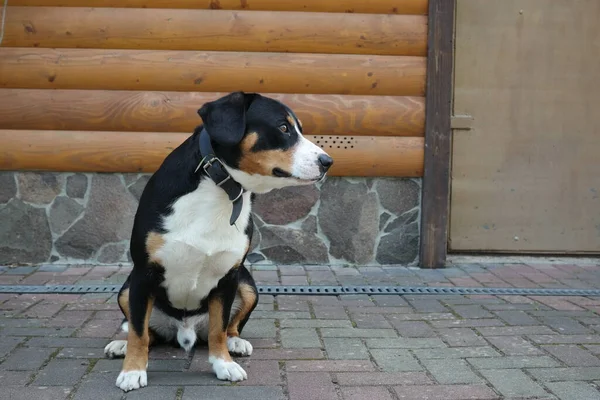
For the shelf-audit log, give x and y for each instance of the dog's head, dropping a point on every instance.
(260, 141)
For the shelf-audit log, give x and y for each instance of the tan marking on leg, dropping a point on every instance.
(154, 242)
(263, 162)
(217, 334)
(136, 358)
(248, 297)
(123, 300)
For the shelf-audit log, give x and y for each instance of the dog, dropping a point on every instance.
(193, 228)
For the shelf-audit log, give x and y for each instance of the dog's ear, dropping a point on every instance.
(225, 118)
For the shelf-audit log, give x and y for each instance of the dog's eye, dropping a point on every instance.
(283, 128)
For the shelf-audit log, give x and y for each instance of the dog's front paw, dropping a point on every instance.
(227, 370)
(237, 345)
(129, 380)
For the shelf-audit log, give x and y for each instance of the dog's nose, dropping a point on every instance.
(325, 161)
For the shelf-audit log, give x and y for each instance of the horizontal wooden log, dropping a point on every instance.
(86, 151)
(193, 71)
(102, 110)
(215, 30)
(419, 7)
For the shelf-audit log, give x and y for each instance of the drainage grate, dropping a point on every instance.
(325, 290)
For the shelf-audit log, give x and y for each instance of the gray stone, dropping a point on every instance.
(395, 360)
(349, 217)
(310, 224)
(397, 195)
(403, 220)
(294, 338)
(383, 218)
(574, 390)
(255, 257)
(137, 188)
(130, 177)
(255, 242)
(63, 212)
(513, 383)
(287, 245)
(112, 253)
(451, 372)
(24, 234)
(8, 187)
(401, 246)
(108, 218)
(282, 206)
(233, 392)
(77, 186)
(39, 187)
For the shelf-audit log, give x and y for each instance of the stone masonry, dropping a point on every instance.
(87, 218)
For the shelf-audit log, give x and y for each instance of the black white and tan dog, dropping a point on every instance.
(193, 228)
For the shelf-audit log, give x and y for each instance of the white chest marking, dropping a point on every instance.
(200, 246)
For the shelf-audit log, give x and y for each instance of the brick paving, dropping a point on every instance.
(349, 347)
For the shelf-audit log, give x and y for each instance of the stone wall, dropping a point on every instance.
(87, 218)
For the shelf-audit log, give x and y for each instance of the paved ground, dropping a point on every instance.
(326, 348)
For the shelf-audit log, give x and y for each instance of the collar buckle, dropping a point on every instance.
(208, 164)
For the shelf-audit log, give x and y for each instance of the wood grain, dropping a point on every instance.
(87, 151)
(418, 7)
(436, 177)
(211, 71)
(103, 110)
(215, 30)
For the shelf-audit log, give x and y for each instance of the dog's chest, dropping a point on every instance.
(200, 246)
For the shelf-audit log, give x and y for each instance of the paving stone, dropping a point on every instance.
(26, 359)
(389, 301)
(513, 383)
(451, 372)
(514, 330)
(61, 373)
(36, 393)
(47, 332)
(574, 390)
(310, 386)
(396, 360)
(514, 345)
(66, 342)
(324, 312)
(594, 348)
(43, 310)
(565, 339)
(14, 378)
(153, 393)
(403, 316)
(405, 343)
(299, 338)
(517, 317)
(446, 392)
(8, 343)
(281, 314)
(294, 280)
(458, 337)
(456, 352)
(260, 372)
(233, 392)
(381, 378)
(288, 354)
(370, 321)
(345, 349)
(329, 366)
(361, 393)
(391, 312)
(314, 323)
(474, 311)
(427, 305)
(467, 323)
(573, 355)
(513, 362)
(73, 319)
(414, 329)
(259, 328)
(565, 374)
(357, 333)
(565, 325)
(81, 352)
(96, 386)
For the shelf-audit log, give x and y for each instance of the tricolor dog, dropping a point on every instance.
(193, 228)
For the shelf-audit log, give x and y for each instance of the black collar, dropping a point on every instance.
(212, 167)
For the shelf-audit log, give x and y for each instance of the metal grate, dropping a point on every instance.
(320, 290)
